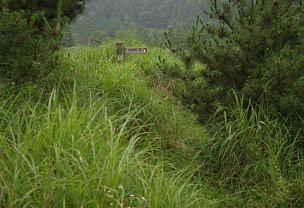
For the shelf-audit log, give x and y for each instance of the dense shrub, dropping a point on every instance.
(255, 47)
(25, 51)
(30, 33)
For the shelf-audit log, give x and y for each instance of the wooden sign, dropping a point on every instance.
(121, 51)
(136, 50)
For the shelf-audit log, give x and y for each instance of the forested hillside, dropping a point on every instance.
(103, 18)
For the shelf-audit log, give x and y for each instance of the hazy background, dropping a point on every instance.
(144, 19)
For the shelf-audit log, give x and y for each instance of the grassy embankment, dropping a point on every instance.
(101, 134)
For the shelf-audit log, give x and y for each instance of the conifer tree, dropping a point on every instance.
(30, 33)
(254, 47)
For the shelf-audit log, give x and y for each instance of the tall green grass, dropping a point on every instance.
(94, 135)
(62, 153)
(252, 151)
(122, 82)
(98, 133)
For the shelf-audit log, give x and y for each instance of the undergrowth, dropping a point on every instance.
(253, 151)
(94, 135)
(98, 133)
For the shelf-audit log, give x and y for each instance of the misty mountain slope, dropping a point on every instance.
(104, 18)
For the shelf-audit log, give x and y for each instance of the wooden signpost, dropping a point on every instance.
(121, 51)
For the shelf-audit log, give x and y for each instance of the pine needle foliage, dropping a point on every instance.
(254, 47)
(30, 34)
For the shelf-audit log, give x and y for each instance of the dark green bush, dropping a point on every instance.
(30, 34)
(254, 47)
(26, 52)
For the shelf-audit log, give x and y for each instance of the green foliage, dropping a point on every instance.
(124, 82)
(25, 51)
(250, 149)
(30, 33)
(62, 153)
(254, 47)
(50, 8)
(249, 152)
(96, 135)
(102, 133)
